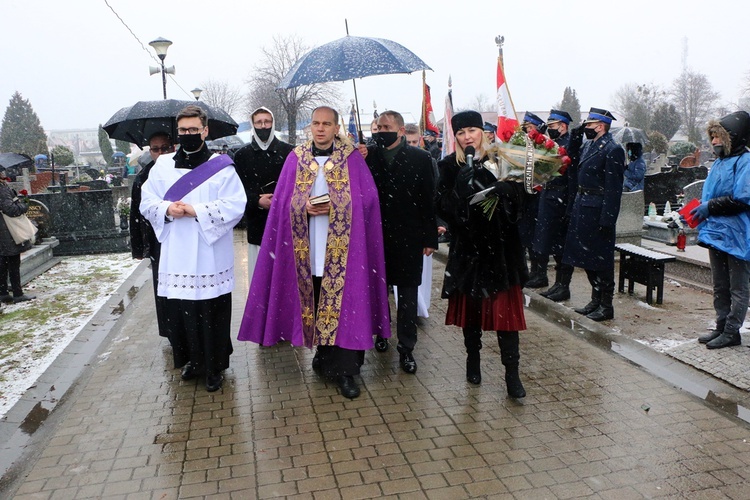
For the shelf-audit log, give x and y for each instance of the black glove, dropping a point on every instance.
(577, 133)
(465, 182)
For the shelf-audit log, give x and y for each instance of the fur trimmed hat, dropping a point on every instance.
(465, 119)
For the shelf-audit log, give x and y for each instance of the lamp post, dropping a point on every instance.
(160, 46)
(196, 93)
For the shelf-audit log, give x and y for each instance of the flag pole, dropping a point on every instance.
(422, 120)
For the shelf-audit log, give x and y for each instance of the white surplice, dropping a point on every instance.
(197, 253)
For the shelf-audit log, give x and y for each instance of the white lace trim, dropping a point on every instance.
(218, 281)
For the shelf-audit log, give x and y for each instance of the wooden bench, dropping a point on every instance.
(643, 266)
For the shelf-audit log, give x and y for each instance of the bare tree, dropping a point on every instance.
(695, 99)
(481, 103)
(219, 94)
(276, 62)
(637, 104)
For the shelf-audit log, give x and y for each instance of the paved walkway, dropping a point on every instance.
(593, 425)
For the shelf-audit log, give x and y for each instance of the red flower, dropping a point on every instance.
(23, 192)
(539, 139)
(565, 164)
(549, 144)
(533, 134)
(562, 151)
(506, 135)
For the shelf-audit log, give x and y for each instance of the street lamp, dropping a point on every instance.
(196, 93)
(160, 46)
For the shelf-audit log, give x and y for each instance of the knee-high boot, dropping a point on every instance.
(473, 344)
(510, 356)
(596, 299)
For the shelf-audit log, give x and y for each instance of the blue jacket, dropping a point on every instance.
(724, 230)
(635, 174)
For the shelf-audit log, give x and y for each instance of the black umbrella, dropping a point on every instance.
(11, 160)
(140, 121)
(349, 58)
(625, 135)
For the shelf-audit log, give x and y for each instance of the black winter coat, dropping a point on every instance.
(143, 242)
(11, 206)
(405, 189)
(590, 243)
(257, 168)
(485, 254)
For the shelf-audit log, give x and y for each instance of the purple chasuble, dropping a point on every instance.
(279, 305)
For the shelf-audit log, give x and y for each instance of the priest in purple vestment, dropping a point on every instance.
(320, 276)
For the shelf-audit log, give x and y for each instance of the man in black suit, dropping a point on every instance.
(405, 180)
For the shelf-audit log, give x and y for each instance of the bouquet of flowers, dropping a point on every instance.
(24, 196)
(123, 207)
(531, 158)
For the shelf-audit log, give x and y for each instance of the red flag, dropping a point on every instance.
(427, 121)
(506, 112)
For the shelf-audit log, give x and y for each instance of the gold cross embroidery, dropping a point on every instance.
(328, 315)
(301, 249)
(304, 183)
(307, 316)
(337, 178)
(337, 247)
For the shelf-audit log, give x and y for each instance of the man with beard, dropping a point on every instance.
(143, 242)
(320, 276)
(554, 200)
(590, 242)
(259, 165)
(193, 200)
(406, 183)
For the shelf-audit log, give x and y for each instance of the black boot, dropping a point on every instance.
(605, 310)
(473, 344)
(705, 339)
(593, 305)
(538, 275)
(510, 357)
(562, 280)
(726, 339)
(551, 290)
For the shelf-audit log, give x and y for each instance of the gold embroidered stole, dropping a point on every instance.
(320, 327)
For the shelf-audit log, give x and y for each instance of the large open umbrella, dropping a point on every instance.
(14, 162)
(625, 135)
(349, 58)
(140, 121)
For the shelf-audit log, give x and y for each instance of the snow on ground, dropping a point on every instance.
(33, 334)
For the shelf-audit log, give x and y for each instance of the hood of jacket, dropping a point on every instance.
(733, 130)
(264, 144)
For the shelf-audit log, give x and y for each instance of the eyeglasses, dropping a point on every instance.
(261, 123)
(162, 149)
(191, 130)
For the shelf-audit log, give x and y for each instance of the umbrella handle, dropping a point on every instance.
(359, 124)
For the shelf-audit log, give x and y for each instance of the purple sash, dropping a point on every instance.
(196, 177)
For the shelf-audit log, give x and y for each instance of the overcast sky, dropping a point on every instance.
(78, 64)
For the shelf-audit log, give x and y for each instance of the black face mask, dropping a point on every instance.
(590, 133)
(719, 150)
(385, 139)
(191, 142)
(263, 133)
(553, 133)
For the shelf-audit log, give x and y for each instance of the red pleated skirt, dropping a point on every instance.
(501, 311)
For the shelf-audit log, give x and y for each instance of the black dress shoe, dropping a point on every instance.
(562, 293)
(6, 297)
(551, 290)
(348, 386)
(407, 362)
(190, 371)
(588, 308)
(316, 366)
(213, 382)
(381, 344)
(537, 282)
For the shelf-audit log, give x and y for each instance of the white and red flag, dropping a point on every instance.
(427, 121)
(449, 142)
(506, 112)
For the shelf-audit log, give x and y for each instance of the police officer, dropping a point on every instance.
(527, 224)
(590, 242)
(554, 200)
(490, 132)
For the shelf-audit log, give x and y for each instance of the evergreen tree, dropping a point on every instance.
(105, 146)
(666, 120)
(21, 130)
(63, 156)
(123, 146)
(570, 104)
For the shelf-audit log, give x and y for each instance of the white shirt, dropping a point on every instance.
(197, 253)
(319, 223)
